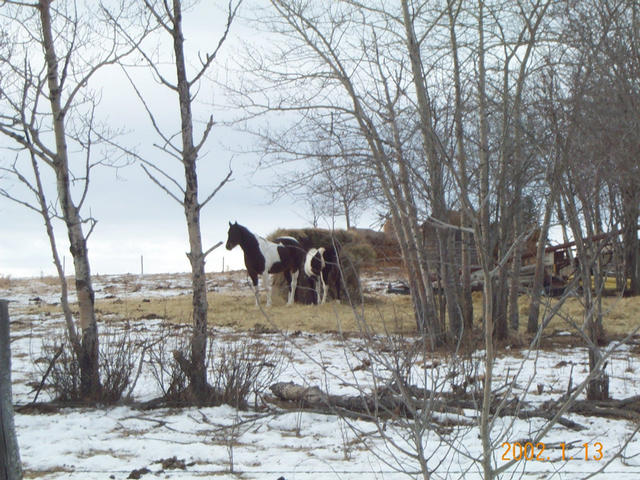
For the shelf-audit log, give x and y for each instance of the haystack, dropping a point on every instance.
(352, 250)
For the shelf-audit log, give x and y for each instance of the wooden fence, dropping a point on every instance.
(10, 467)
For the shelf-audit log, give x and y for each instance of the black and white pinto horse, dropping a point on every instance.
(263, 257)
(319, 264)
(314, 266)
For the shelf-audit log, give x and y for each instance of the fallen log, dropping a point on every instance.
(627, 408)
(314, 398)
(386, 404)
(540, 413)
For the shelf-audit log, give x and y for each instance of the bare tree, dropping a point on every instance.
(343, 186)
(595, 124)
(169, 18)
(611, 44)
(49, 114)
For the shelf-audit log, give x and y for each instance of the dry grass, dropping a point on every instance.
(239, 311)
(380, 312)
(620, 315)
(5, 281)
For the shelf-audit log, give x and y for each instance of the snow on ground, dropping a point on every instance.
(185, 443)
(25, 290)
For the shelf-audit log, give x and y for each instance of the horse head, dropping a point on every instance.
(234, 235)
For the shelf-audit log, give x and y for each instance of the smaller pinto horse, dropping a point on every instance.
(262, 257)
(319, 264)
(314, 266)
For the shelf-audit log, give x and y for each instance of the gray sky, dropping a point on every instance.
(135, 218)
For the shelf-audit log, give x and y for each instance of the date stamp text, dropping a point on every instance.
(539, 452)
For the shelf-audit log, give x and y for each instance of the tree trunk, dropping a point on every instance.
(413, 246)
(631, 212)
(423, 303)
(500, 298)
(197, 376)
(347, 218)
(485, 254)
(514, 289)
(89, 377)
(431, 148)
(467, 299)
(538, 277)
(598, 387)
(452, 286)
(516, 263)
(501, 285)
(64, 296)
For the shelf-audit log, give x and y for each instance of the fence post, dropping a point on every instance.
(10, 467)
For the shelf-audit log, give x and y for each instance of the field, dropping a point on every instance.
(321, 346)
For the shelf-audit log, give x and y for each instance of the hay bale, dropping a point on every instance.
(385, 248)
(352, 252)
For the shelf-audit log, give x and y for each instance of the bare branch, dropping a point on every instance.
(211, 249)
(150, 114)
(157, 182)
(222, 183)
(231, 14)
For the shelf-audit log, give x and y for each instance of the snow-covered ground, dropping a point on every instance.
(222, 442)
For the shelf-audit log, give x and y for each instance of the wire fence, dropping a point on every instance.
(387, 474)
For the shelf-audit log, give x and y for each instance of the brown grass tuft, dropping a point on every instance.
(5, 281)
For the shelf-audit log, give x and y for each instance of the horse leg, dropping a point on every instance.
(287, 277)
(294, 285)
(316, 290)
(266, 279)
(256, 290)
(325, 287)
(292, 278)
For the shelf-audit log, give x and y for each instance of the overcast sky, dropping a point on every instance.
(135, 218)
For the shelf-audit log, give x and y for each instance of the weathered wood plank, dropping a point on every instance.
(10, 466)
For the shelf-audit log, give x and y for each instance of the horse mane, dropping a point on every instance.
(244, 231)
(249, 243)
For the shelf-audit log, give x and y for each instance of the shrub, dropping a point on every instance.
(236, 369)
(60, 368)
(244, 367)
(166, 371)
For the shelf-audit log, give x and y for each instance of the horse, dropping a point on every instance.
(314, 266)
(320, 264)
(263, 257)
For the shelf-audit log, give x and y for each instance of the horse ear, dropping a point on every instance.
(229, 223)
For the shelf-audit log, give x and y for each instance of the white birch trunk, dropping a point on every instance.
(90, 379)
